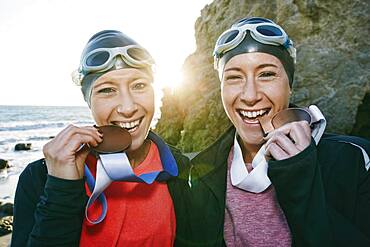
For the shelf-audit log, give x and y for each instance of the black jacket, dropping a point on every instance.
(49, 211)
(324, 192)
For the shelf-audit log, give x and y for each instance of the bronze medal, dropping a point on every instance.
(283, 117)
(115, 139)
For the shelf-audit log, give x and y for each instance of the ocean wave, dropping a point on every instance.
(21, 126)
(39, 138)
(6, 141)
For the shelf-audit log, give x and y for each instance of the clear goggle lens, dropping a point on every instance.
(260, 31)
(101, 59)
(97, 58)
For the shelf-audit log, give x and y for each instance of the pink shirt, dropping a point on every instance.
(253, 219)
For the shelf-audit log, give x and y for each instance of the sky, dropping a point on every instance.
(41, 42)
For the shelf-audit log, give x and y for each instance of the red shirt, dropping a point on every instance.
(138, 214)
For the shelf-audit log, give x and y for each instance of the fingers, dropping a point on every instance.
(79, 135)
(275, 151)
(70, 139)
(66, 153)
(288, 140)
(301, 134)
(76, 140)
(282, 141)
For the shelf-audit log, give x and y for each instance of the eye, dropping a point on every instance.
(233, 78)
(267, 74)
(106, 90)
(140, 85)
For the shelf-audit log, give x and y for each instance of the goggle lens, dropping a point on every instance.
(97, 58)
(268, 30)
(138, 54)
(228, 37)
(231, 36)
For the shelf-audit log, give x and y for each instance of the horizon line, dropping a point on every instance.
(47, 105)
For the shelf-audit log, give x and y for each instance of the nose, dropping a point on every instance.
(126, 106)
(250, 92)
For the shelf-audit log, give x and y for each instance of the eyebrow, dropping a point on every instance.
(233, 68)
(103, 83)
(267, 65)
(113, 82)
(259, 67)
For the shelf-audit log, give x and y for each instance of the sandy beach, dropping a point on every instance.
(5, 240)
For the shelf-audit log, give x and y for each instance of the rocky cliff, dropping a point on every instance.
(332, 70)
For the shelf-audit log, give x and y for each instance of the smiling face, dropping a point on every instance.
(124, 97)
(253, 85)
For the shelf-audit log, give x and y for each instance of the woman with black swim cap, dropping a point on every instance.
(275, 178)
(114, 184)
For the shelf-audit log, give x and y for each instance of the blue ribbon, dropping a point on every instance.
(125, 173)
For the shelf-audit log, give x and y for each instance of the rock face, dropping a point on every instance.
(332, 70)
(4, 164)
(22, 146)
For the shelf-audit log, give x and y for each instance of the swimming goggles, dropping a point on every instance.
(262, 30)
(103, 59)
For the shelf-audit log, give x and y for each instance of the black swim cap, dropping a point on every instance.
(249, 44)
(104, 39)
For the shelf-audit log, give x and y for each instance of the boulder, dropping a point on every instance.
(332, 70)
(6, 225)
(22, 146)
(4, 164)
(6, 209)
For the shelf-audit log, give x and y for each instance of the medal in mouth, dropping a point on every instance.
(115, 139)
(283, 117)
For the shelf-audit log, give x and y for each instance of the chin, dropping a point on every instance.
(251, 138)
(136, 144)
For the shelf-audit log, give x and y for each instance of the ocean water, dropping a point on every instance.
(35, 125)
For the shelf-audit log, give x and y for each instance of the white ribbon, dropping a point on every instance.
(257, 180)
(103, 180)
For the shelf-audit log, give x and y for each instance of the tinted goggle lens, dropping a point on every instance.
(268, 30)
(228, 37)
(97, 58)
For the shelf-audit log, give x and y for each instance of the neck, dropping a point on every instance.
(137, 156)
(248, 150)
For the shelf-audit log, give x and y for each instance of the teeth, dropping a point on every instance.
(252, 114)
(129, 125)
